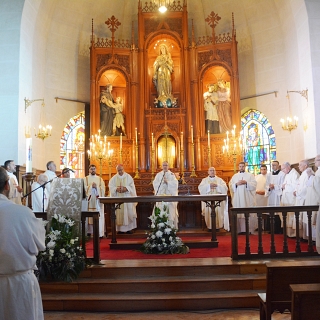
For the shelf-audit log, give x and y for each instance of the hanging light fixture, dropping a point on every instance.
(290, 123)
(162, 5)
(44, 130)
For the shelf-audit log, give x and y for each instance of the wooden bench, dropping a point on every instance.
(305, 301)
(280, 275)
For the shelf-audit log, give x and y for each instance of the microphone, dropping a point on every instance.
(71, 170)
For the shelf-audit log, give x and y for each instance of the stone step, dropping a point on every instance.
(124, 302)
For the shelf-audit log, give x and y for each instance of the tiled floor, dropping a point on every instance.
(230, 314)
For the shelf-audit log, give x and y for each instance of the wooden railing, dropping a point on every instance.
(271, 211)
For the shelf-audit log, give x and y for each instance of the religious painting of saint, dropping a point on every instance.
(256, 152)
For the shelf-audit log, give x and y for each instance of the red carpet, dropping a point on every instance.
(223, 250)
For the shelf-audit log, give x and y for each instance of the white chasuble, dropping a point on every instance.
(126, 216)
(222, 216)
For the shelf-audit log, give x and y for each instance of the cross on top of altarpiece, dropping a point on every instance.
(113, 24)
(212, 20)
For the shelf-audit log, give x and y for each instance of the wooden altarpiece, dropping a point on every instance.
(197, 65)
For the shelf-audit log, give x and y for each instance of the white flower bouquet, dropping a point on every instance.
(63, 259)
(162, 238)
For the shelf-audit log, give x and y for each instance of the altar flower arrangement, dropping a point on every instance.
(162, 238)
(63, 259)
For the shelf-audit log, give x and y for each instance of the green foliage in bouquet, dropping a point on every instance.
(162, 238)
(63, 259)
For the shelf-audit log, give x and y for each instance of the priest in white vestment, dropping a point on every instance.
(15, 190)
(166, 183)
(22, 236)
(288, 197)
(261, 200)
(301, 193)
(214, 185)
(122, 185)
(243, 190)
(313, 198)
(51, 174)
(95, 188)
(273, 191)
(39, 194)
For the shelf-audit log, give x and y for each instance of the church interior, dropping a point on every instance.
(64, 63)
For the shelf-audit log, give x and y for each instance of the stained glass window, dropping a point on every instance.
(72, 145)
(260, 140)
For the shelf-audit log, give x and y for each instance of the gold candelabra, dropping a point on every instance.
(97, 150)
(234, 146)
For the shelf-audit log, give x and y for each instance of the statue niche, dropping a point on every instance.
(163, 69)
(217, 102)
(111, 101)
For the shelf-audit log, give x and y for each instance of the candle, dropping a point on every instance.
(152, 141)
(29, 155)
(136, 135)
(191, 134)
(181, 140)
(105, 139)
(120, 141)
(208, 139)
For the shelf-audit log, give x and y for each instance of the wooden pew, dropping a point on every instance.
(305, 301)
(280, 275)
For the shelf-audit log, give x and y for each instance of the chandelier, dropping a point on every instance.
(162, 5)
(290, 123)
(44, 130)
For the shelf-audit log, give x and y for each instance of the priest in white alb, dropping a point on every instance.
(214, 185)
(288, 197)
(273, 191)
(313, 198)
(95, 187)
(166, 183)
(39, 194)
(122, 185)
(22, 236)
(51, 174)
(15, 190)
(243, 190)
(301, 193)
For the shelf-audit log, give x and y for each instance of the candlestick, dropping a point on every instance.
(152, 141)
(29, 155)
(191, 134)
(181, 140)
(136, 130)
(120, 141)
